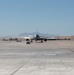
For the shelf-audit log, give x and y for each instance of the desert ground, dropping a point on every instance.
(48, 58)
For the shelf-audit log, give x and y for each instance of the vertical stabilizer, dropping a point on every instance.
(37, 31)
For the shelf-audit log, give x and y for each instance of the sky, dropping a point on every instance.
(48, 16)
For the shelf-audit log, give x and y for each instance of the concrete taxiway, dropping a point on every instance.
(49, 58)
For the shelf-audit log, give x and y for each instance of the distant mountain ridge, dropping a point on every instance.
(27, 34)
(34, 33)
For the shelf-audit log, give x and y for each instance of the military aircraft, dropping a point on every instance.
(39, 38)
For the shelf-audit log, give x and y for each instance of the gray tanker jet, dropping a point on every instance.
(39, 38)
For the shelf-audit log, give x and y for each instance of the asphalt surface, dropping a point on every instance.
(35, 61)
